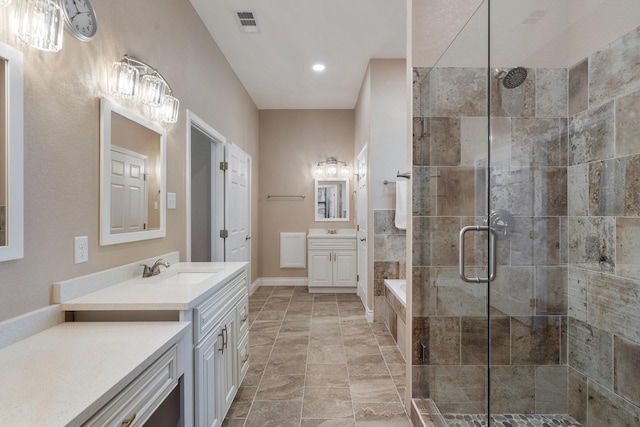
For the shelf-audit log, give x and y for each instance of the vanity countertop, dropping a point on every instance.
(166, 291)
(324, 233)
(66, 373)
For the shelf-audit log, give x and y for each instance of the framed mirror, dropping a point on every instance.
(332, 199)
(132, 176)
(11, 153)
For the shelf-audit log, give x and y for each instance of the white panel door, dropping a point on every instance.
(361, 222)
(237, 205)
(128, 191)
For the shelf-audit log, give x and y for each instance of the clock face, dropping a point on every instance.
(80, 18)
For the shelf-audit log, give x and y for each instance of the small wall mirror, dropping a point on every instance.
(11, 153)
(332, 199)
(132, 177)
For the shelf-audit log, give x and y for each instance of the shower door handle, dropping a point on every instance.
(492, 254)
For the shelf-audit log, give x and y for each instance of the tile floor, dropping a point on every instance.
(315, 361)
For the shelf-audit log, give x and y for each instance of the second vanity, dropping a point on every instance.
(212, 297)
(332, 256)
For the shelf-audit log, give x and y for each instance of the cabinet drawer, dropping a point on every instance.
(207, 314)
(332, 244)
(142, 396)
(243, 316)
(243, 358)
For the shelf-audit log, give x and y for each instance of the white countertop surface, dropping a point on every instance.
(157, 292)
(45, 379)
(339, 233)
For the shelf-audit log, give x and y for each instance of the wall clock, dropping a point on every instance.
(80, 18)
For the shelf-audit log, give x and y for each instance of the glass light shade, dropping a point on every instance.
(152, 90)
(4, 2)
(169, 109)
(39, 24)
(319, 171)
(123, 80)
(332, 169)
(155, 113)
(345, 171)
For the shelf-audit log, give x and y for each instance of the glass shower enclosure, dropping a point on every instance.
(526, 218)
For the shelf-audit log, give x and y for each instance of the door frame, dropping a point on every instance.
(217, 154)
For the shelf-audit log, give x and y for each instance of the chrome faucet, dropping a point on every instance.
(155, 268)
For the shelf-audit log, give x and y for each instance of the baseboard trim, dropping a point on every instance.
(277, 281)
(368, 313)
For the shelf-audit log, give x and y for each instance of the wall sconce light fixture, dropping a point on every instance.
(39, 24)
(331, 167)
(132, 77)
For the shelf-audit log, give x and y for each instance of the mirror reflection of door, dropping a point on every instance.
(327, 201)
(128, 191)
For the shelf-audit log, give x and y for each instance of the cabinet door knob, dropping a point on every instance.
(244, 318)
(127, 423)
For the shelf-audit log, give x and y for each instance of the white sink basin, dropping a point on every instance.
(332, 233)
(180, 277)
(187, 278)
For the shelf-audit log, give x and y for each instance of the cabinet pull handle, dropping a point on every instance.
(225, 337)
(221, 349)
(127, 423)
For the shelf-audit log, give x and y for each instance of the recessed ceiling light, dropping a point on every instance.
(318, 67)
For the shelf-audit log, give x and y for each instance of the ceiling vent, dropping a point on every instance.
(248, 22)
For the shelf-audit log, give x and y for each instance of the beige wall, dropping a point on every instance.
(291, 144)
(62, 92)
(382, 123)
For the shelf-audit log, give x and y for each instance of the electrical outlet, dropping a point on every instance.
(81, 249)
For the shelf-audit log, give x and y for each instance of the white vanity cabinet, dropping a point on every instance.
(135, 404)
(213, 297)
(332, 263)
(218, 356)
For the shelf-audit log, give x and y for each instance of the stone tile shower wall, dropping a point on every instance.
(389, 262)
(528, 179)
(604, 235)
(566, 301)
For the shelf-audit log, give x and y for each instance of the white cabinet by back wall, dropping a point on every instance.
(332, 264)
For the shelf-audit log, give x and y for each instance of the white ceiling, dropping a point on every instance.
(274, 65)
(532, 33)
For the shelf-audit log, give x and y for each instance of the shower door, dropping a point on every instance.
(490, 228)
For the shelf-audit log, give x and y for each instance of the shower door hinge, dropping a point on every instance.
(224, 166)
(423, 354)
(224, 233)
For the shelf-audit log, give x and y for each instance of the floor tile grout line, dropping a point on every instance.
(342, 314)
